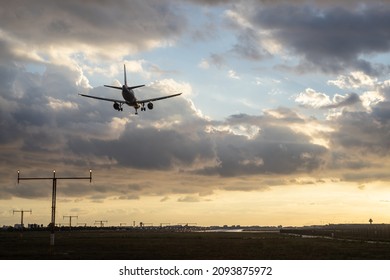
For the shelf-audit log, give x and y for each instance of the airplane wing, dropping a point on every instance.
(105, 99)
(157, 98)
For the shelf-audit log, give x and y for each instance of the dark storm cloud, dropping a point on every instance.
(27, 116)
(360, 140)
(148, 148)
(94, 23)
(34, 133)
(72, 132)
(364, 131)
(275, 149)
(381, 112)
(330, 38)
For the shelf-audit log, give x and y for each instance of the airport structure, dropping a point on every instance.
(101, 223)
(21, 216)
(70, 220)
(54, 194)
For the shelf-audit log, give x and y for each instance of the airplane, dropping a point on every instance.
(129, 97)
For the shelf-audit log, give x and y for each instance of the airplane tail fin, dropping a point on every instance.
(124, 71)
(125, 76)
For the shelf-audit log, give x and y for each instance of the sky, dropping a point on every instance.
(284, 117)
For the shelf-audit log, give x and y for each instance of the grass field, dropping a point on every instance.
(117, 245)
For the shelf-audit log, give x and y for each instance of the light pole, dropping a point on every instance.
(54, 194)
(21, 216)
(70, 220)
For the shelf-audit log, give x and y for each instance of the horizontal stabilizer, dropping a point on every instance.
(113, 87)
(135, 87)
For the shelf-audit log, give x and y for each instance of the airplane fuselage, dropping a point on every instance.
(128, 95)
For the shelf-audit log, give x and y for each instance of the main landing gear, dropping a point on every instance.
(150, 106)
(118, 106)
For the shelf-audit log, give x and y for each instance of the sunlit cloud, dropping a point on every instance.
(233, 75)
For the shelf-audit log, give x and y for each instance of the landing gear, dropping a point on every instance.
(142, 106)
(150, 106)
(118, 106)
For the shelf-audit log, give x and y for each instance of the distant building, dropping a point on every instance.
(34, 226)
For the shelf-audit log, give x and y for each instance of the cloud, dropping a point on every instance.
(204, 64)
(62, 30)
(354, 80)
(217, 60)
(358, 141)
(57, 104)
(344, 101)
(175, 149)
(164, 151)
(329, 38)
(249, 43)
(312, 99)
(49, 128)
(188, 199)
(275, 149)
(360, 146)
(149, 148)
(233, 75)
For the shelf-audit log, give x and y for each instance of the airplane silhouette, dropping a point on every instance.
(129, 97)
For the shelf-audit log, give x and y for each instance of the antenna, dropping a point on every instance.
(54, 194)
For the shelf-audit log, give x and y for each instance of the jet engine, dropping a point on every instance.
(116, 106)
(150, 106)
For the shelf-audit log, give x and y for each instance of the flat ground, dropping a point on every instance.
(119, 245)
